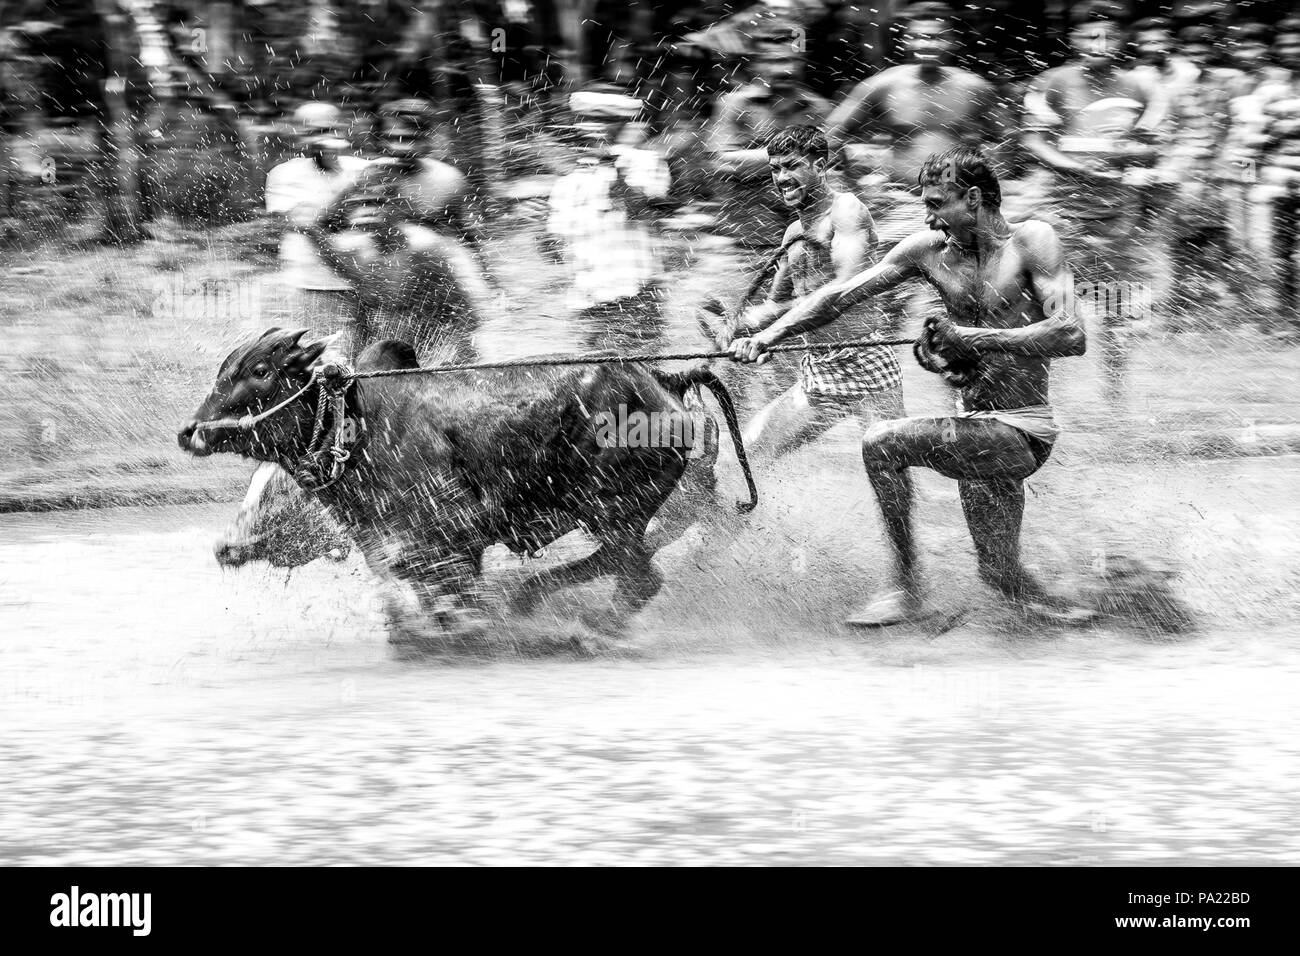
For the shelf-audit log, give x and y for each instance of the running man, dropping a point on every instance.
(1008, 287)
(832, 239)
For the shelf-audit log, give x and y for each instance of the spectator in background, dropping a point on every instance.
(1186, 195)
(1279, 165)
(1091, 124)
(774, 99)
(403, 234)
(297, 191)
(1248, 44)
(600, 224)
(891, 123)
(838, 39)
(1250, 49)
(1153, 45)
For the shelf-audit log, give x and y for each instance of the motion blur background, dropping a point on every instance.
(159, 710)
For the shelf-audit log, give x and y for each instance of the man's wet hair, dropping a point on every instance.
(1289, 26)
(963, 167)
(925, 11)
(409, 111)
(1147, 24)
(807, 141)
(1098, 11)
(1198, 33)
(1251, 31)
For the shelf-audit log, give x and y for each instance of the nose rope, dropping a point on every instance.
(326, 457)
(246, 423)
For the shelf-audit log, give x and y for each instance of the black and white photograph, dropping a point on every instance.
(651, 433)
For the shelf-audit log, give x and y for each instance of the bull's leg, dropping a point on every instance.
(451, 595)
(638, 579)
(604, 560)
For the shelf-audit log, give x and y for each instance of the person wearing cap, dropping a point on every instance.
(1094, 127)
(599, 222)
(775, 99)
(297, 190)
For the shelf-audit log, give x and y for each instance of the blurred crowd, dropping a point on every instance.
(1165, 149)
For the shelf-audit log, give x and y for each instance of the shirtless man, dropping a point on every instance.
(1094, 126)
(404, 237)
(924, 107)
(832, 239)
(1008, 287)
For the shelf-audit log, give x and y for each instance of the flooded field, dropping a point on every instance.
(157, 710)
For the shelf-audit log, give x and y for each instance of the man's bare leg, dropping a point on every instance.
(904, 601)
(994, 510)
(988, 456)
(788, 423)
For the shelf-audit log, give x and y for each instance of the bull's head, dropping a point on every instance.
(253, 378)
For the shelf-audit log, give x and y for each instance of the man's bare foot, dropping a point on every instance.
(892, 607)
(1055, 610)
(1023, 592)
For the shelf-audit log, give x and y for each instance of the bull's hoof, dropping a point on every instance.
(526, 599)
(1063, 614)
(464, 623)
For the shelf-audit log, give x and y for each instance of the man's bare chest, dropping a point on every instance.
(919, 106)
(990, 291)
(810, 261)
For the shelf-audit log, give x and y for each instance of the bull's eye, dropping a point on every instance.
(261, 370)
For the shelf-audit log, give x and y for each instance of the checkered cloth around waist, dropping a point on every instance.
(849, 373)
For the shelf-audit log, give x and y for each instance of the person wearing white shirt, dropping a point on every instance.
(296, 192)
(601, 216)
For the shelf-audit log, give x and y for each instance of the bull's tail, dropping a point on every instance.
(679, 382)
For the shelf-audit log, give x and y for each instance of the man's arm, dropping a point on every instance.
(780, 296)
(1059, 333)
(853, 243)
(333, 217)
(1042, 124)
(854, 118)
(853, 239)
(340, 263)
(831, 301)
(729, 144)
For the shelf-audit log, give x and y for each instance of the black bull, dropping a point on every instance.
(444, 466)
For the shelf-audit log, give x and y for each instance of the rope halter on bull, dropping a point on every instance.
(327, 455)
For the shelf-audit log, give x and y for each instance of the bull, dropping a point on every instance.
(427, 472)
